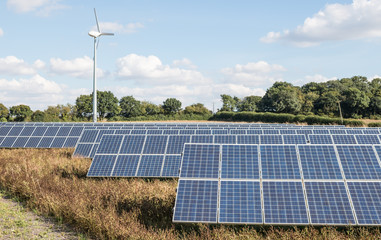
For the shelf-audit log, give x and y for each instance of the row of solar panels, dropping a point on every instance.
(280, 184)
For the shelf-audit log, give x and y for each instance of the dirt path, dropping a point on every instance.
(17, 223)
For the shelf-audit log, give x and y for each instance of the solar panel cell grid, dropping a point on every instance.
(367, 139)
(240, 162)
(45, 142)
(225, 139)
(110, 144)
(155, 144)
(8, 142)
(83, 150)
(294, 139)
(176, 143)
(271, 139)
(320, 139)
(63, 131)
(70, 142)
(19, 143)
(58, 142)
(101, 165)
(344, 139)
(150, 166)
(15, 131)
(248, 139)
(126, 166)
(202, 138)
(171, 167)
(51, 131)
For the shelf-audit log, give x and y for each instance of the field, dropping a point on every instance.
(50, 182)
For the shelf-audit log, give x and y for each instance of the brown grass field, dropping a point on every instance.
(52, 183)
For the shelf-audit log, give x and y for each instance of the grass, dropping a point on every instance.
(54, 184)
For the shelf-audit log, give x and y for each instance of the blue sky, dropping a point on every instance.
(190, 50)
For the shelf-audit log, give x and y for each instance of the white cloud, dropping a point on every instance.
(12, 65)
(318, 78)
(254, 74)
(117, 27)
(361, 19)
(150, 70)
(185, 62)
(78, 67)
(41, 7)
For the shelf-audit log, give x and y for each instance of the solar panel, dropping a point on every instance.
(371, 131)
(39, 131)
(367, 139)
(320, 139)
(319, 162)
(271, 139)
(51, 131)
(186, 132)
(202, 139)
(284, 203)
(94, 150)
(344, 139)
(89, 136)
(103, 132)
(155, 144)
(279, 162)
(132, 144)
(247, 139)
(328, 203)
(45, 142)
(294, 139)
(154, 132)
(196, 201)
(15, 131)
(70, 142)
(176, 143)
(150, 166)
(320, 131)
(58, 142)
(83, 150)
(76, 131)
(337, 131)
(171, 167)
(200, 161)
(63, 131)
(225, 139)
(366, 198)
(101, 166)
(110, 144)
(287, 131)
(33, 142)
(27, 131)
(8, 142)
(270, 131)
(354, 131)
(126, 166)
(240, 162)
(4, 131)
(220, 131)
(122, 131)
(254, 131)
(240, 202)
(20, 142)
(359, 162)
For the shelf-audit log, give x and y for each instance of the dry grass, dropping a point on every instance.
(54, 184)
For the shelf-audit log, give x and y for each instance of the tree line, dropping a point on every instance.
(356, 97)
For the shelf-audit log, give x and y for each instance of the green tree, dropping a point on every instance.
(20, 112)
(4, 113)
(148, 108)
(107, 104)
(355, 102)
(130, 107)
(327, 103)
(84, 106)
(198, 109)
(38, 116)
(171, 106)
(229, 103)
(249, 104)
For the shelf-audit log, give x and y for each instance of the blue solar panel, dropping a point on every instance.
(89, 136)
(225, 139)
(101, 133)
(126, 166)
(122, 131)
(270, 131)
(8, 142)
(132, 144)
(58, 142)
(294, 139)
(150, 166)
(83, 150)
(27, 131)
(254, 131)
(63, 131)
(366, 198)
(371, 131)
(248, 139)
(101, 166)
(33, 142)
(196, 201)
(203, 132)
(51, 131)
(20, 142)
(344, 139)
(155, 132)
(287, 131)
(70, 142)
(354, 131)
(45, 142)
(176, 143)
(4, 131)
(271, 139)
(155, 144)
(39, 131)
(319, 162)
(240, 161)
(76, 131)
(240, 202)
(284, 203)
(220, 131)
(279, 162)
(171, 132)
(94, 150)
(238, 131)
(1, 140)
(320, 131)
(367, 139)
(171, 166)
(186, 132)
(15, 131)
(359, 162)
(202, 139)
(110, 144)
(200, 161)
(320, 139)
(337, 131)
(328, 203)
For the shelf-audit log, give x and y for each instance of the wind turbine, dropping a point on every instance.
(96, 35)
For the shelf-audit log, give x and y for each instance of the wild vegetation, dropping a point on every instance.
(356, 97)
(54, 184)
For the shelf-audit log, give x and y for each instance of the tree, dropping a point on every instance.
(84, 106)
(171, 106)
(38, 116)
(107, 104)
(130, 107)
(20, 112)
(148, 108)
(249, 104)
(328, 103)
(228, 103)
(198, 109)
(355, 102)
(4, 113)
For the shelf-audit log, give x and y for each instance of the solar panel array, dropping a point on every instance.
(280, 184)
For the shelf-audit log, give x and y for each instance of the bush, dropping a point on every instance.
(375, 124)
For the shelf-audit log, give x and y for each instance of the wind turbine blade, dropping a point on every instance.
(109, 34)
(96, 19)
(98, 42)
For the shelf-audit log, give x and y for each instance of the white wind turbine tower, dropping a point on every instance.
(95, 35)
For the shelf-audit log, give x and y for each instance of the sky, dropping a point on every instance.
(190, 50)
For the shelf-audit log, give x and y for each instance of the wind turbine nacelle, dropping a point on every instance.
(94, 34)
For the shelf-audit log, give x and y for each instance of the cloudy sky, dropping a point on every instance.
(190, 50)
